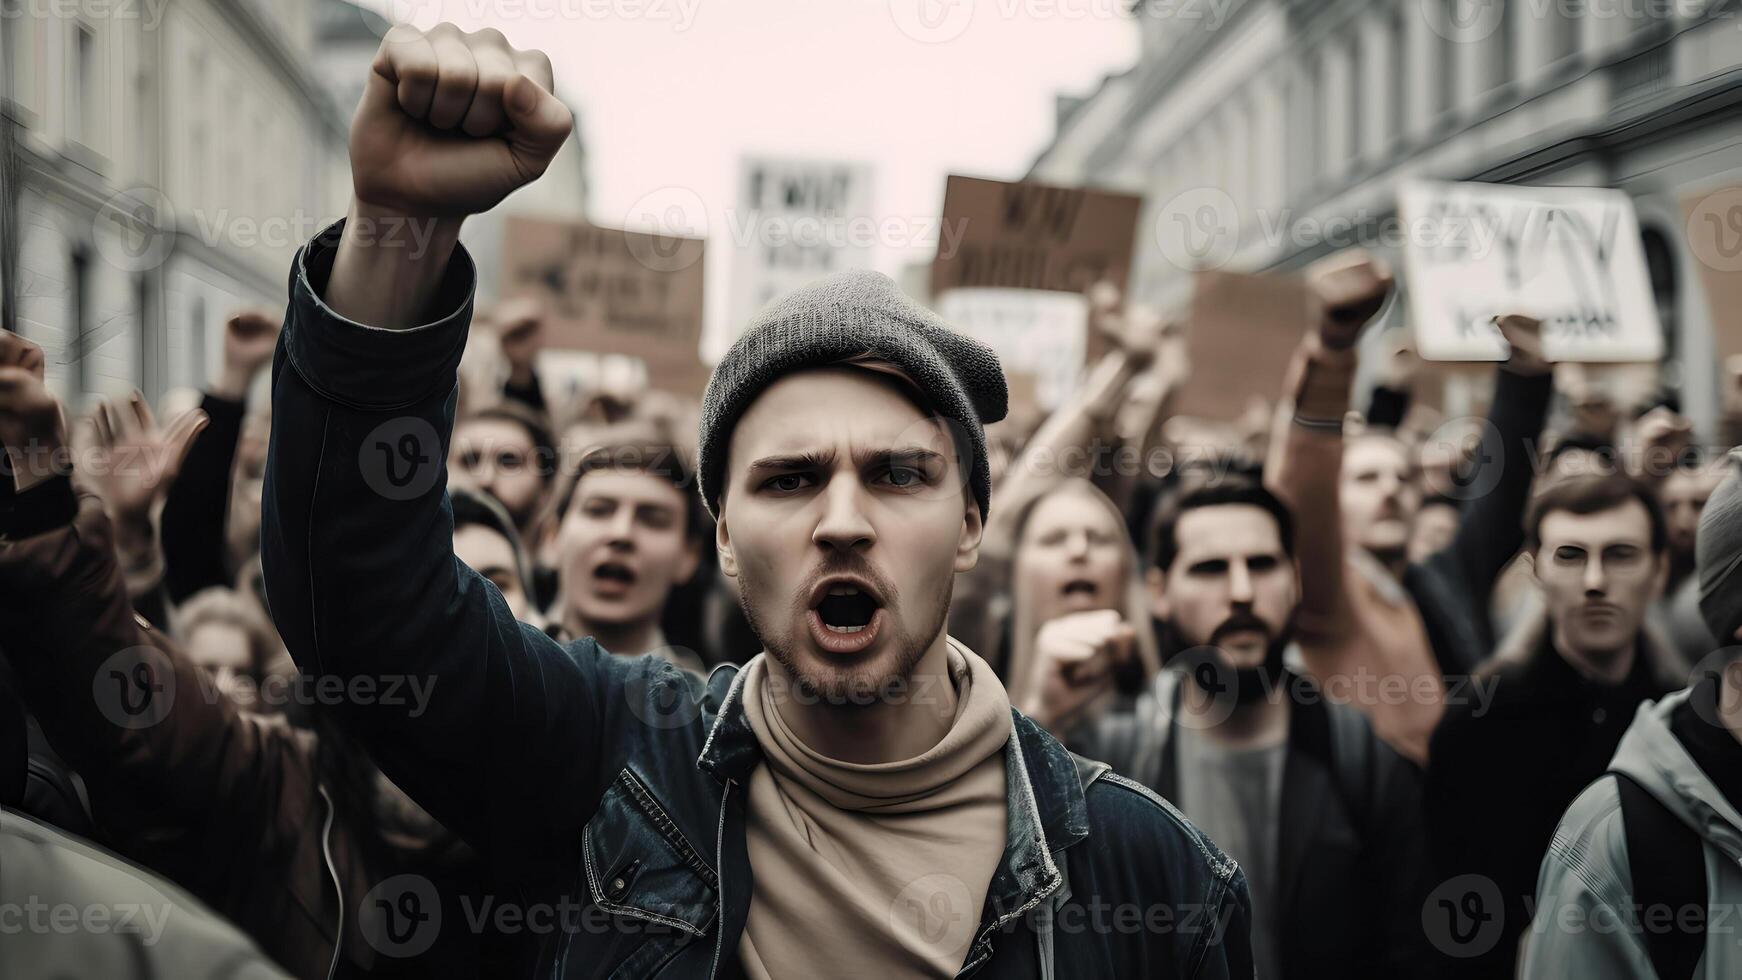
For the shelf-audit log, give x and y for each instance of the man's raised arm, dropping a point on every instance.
(486, 722)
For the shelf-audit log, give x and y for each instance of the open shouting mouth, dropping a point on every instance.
(845, 615)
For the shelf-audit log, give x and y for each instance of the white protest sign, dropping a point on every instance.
(1038, 332)
(1570, 256)
(796, 221)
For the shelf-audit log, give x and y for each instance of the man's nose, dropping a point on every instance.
(1239, 584)
(623, 524)
(1596, 577)
(843, 524)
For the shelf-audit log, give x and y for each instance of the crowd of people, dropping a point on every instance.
(416, 668)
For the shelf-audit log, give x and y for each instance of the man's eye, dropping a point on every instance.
(1261, 563)
(1569, 555)
(904, 476)
(470, 460)
(787, 483)
(1217, 567)
(598, 508)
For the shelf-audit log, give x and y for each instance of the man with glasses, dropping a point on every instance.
(1501, 774)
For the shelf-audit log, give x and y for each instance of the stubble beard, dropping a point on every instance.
(880, 680)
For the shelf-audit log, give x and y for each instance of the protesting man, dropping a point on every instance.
(858, 802)
(1323, 816)
(1368, 616)
(1501, 774)
(627, 535)
(1647, 848)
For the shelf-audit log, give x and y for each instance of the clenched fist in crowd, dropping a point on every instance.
(32, 425)
(1349, 289)
(450, 123)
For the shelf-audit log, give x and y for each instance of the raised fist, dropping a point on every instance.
(1349, 288)
(32, 425)
(1076, 656)
(450, 123)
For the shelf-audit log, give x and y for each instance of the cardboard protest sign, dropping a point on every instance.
(1034, 236)
(1570, 256)
(1041, 334)
(1241, 333)
(611, 291)
(1014, 263)
(796, 221)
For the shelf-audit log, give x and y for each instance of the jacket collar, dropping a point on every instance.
(1045, 807)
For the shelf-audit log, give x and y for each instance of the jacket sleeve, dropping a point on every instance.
(1303, 470)
(198, 504)
(1399, 855)
(1497, 487)
(153, 739)
(1585, 925)
(489, 724)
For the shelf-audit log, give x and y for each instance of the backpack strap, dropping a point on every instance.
(1668, 864)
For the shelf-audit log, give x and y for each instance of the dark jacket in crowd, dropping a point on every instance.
(1451, 587)
(1501, 774)
(195, 549)
(1352, 862)
(615, 788)
(233, 806)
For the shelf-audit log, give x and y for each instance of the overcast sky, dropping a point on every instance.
(672, 93)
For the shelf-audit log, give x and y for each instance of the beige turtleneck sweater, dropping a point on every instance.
(874, 871)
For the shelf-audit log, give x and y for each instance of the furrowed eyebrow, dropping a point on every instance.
(794, 461)
(910, 457)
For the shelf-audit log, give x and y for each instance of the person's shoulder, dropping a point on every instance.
(1590, 842)
(1151, 830)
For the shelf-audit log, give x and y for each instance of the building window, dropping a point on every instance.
(83, 123)
(80, 325)
(1401, 85)
(197, 345)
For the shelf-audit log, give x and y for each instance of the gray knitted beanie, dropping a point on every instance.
(1718, 555)
(843, 316)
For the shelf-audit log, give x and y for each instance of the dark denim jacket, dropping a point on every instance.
(608, 793)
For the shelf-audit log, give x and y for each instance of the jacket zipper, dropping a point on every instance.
(720, 892)
(338, 890)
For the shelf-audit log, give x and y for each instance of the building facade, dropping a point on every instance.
(1277, 131)
(170, 157)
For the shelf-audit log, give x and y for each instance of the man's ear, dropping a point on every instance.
(723, 546)
(1155, 583)
(1529, 560)
(968, 543)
